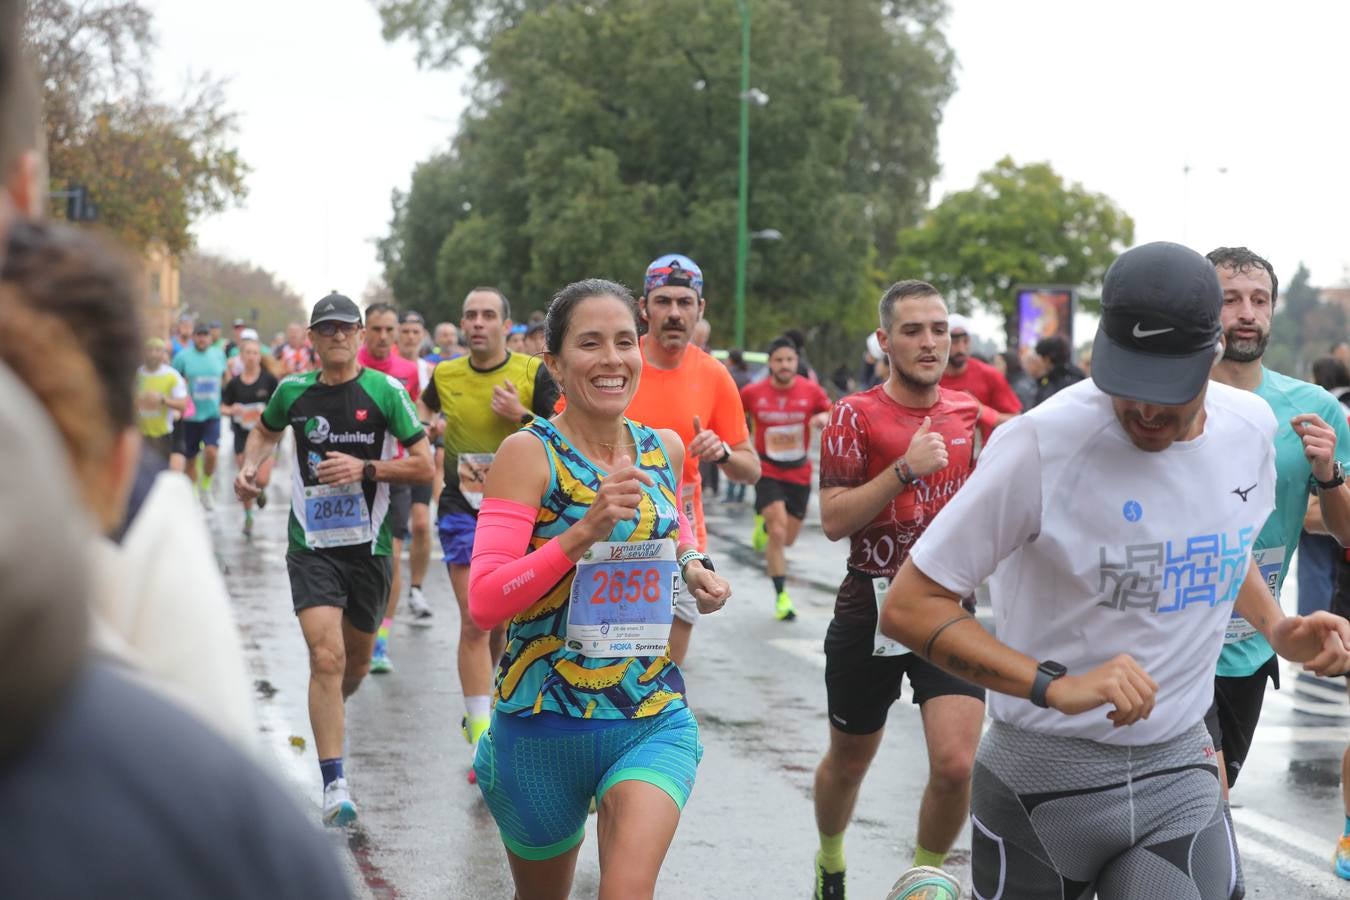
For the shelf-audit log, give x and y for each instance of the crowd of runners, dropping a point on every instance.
(1132, 527)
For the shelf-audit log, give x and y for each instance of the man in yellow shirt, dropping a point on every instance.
(161, 397)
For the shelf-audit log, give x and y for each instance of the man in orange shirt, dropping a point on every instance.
(686, 390)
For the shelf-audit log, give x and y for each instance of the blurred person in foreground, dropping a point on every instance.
(109, 789)
(159, 602)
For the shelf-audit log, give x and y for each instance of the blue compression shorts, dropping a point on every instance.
(538, 773)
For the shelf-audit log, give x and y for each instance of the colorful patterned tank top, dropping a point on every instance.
(538, 673)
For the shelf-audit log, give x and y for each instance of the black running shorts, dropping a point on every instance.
(1236, 709)
(794, 496)
(861, 686)
(349, 578)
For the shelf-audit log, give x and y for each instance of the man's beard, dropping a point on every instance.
(1245, 349)
(915, 381)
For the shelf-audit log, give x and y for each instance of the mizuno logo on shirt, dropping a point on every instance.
(1140, 333)
(1243, 493)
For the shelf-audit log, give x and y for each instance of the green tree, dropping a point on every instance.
(605, 133)
(1303, 327)
(153, 167)
(1017, 225)
(222, 290)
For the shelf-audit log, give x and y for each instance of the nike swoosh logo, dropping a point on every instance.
(1139, 333)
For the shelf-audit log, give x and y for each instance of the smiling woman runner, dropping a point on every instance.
(579, 548)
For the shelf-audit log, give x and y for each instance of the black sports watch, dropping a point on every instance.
(726, 454)
(368, 472)
(1337, 478)
(1046, 672)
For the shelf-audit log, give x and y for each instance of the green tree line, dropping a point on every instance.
(604, 133)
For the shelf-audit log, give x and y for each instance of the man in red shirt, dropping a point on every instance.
(783, 409)
(891, 457)
(979, 379)
(685, 389)
(379, 352)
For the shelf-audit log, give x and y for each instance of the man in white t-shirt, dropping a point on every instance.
(1118, 521)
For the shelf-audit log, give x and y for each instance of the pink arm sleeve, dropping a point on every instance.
(505, 579)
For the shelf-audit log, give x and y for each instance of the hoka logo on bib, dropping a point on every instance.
(1170, 576)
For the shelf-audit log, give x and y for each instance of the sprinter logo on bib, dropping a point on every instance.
(1170, 576)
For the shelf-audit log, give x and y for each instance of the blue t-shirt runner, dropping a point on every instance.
(1245, 651)
(204, 371)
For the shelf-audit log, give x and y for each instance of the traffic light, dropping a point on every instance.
(79, 206)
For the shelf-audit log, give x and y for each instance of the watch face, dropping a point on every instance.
(1054, 669)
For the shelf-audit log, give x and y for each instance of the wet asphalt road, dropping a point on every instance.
(757, 688)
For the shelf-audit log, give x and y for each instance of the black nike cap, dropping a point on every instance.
(335, 308)
(1159, 332)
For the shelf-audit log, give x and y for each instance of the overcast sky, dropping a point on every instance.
(1121, 97)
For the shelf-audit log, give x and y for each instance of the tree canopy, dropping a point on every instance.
(152, 166)
(214, 288)
(602, 134)
(1017, 225)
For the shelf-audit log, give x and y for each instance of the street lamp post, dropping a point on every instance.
(743, 186)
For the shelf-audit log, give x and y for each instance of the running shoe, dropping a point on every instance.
(759, 538)
(379, 660)
(338, 808)
(829, 885)
(418, 606)
(783, 609)
(1342, 858)
(204, 494)
(248, 523)
(262, 499)
(925, 883)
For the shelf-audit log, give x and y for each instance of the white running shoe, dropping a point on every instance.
(925, 883)
(338, 808)
(418, 606)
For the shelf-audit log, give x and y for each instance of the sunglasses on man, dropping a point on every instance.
(328, 329)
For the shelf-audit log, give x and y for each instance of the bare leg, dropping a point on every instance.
(323, 632)
(775, 524)
(396, 582)
(840, 775)
(951, 728)
(209, 459)
(419, 554)
(636, 825)
(359, 644)
(475, 654)
(544, 879)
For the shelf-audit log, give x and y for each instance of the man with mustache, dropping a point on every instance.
(686, 390)
(1311, 447)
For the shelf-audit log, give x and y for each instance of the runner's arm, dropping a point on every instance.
(1321, 641)
(1326, 441)
(261, 442)
(505, 577)
(929, 619)
(417, 467)
(844, 511)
